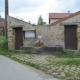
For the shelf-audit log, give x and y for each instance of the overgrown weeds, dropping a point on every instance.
(69, 62)
(3, 43)
(68, 55)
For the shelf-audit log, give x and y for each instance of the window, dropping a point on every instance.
(30, 33)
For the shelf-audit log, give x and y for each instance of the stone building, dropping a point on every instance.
(15, 32)
(67, 32)
(64, 32)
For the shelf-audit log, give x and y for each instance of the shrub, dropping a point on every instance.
(3, 43)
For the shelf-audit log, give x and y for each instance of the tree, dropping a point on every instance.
(40, 20)
(34, 24)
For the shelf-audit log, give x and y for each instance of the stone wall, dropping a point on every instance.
(51, 35)
(76, 19)
(14, 22)
(40, 31)
(59, 31)
(78, 37)
(54, 35)
(48, 50)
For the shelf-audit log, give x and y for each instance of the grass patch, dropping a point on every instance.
(69, 62)
(68, 55)
(8, 52)
(26, 63)
(78, 74)
(5, 52)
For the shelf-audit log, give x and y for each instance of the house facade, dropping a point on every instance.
(68, 31)
(15, 32)
(53, 17)
(64, 32)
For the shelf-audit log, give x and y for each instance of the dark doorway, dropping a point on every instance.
(18, 38)
(71, 37)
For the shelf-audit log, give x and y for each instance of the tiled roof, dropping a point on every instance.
(63, 19)
(19, 20)
(58, 15)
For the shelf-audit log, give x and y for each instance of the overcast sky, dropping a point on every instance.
(29, 10)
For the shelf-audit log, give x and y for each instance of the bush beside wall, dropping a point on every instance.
(3, 43)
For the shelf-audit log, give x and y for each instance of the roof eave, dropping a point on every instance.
(63, 19)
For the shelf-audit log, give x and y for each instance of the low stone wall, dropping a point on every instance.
(57, 49)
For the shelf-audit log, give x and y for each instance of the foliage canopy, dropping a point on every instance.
(40, 20)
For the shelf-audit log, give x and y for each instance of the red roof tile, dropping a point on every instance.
(59, 15)
(67, 17)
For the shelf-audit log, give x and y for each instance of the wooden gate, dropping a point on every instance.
(71, 37)
(18, 38)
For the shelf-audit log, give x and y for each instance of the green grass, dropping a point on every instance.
(78, 74)
(68, 55)
(68, 74)
(27, 63)
(3, 43)
(5, 52)
(69, 62)
(67, 58)
(8, 52)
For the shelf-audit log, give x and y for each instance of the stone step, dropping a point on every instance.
(41, 49)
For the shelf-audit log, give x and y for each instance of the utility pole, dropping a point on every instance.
(6, 14)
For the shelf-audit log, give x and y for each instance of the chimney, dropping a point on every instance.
(68, 11)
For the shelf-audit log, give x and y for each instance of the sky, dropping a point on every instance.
(29, 10)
